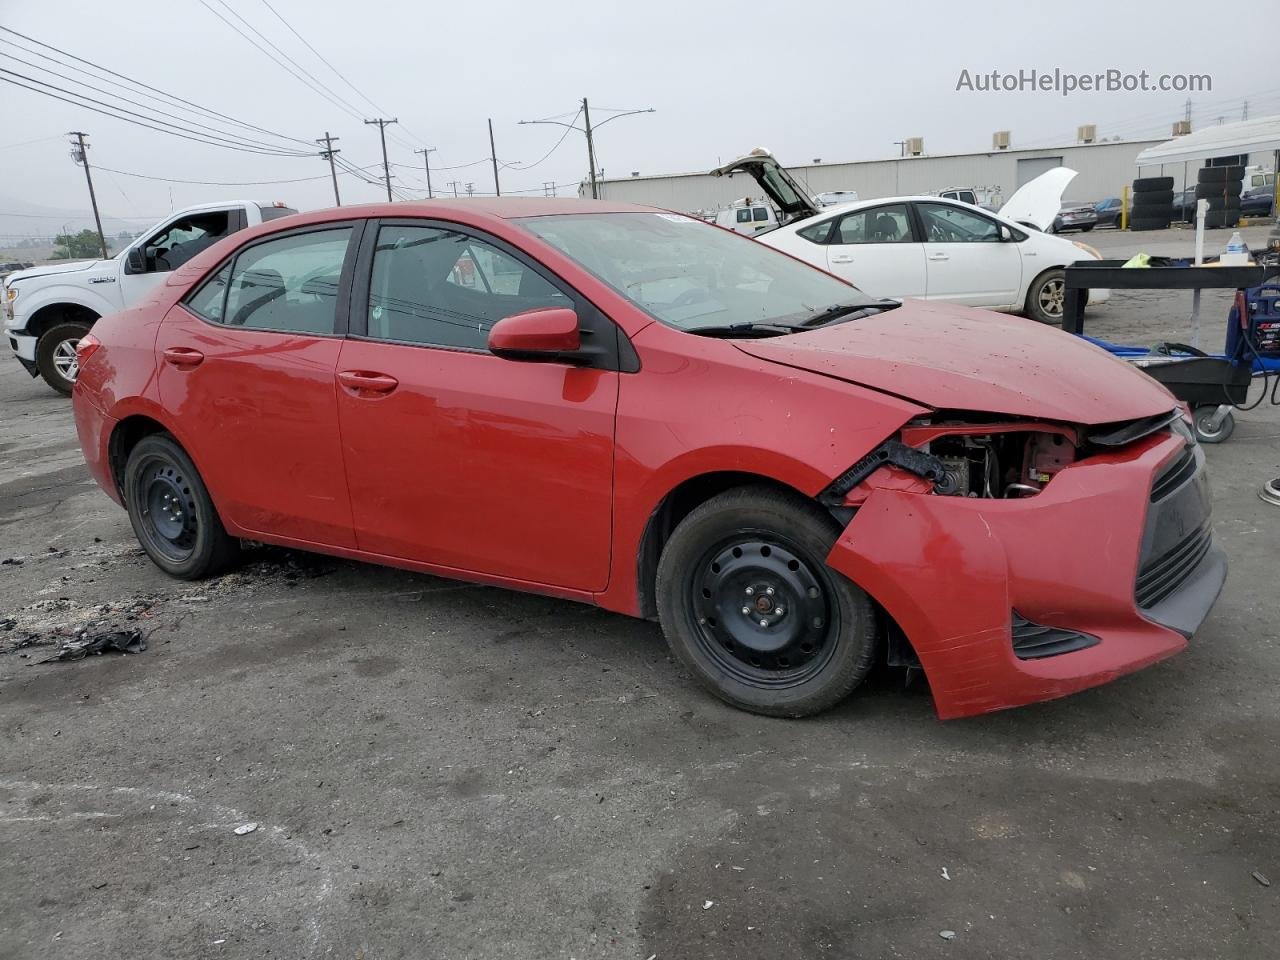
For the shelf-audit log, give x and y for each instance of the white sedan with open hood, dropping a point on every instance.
(928, 247)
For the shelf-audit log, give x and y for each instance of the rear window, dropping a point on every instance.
(760, 214)
(272, 212)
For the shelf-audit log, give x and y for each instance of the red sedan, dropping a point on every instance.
(634, 409)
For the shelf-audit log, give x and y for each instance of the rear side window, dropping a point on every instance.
(442, 288)
(888, 224)
(289, 285)
(760, 214)
(817, 233)
(744, 215)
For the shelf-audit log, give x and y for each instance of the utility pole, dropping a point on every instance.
(386, 167)
(426, 160)
(471, 189)
(591, 149)
(80, 153)
(493, 155)
(454, 184)
(328, 153)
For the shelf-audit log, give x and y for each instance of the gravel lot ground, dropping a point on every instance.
(440, 770)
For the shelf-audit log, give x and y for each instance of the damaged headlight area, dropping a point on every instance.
(996, 461)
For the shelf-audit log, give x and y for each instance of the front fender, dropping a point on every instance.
(30, 303)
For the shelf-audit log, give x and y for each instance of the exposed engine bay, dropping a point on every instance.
(1001, 465)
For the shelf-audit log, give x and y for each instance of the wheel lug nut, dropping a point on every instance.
(764, 623)
(746, 610)
(769, 591)
(779, 610)
(750, 591)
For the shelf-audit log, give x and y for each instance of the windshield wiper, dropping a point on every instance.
(749, 329)
(848, 311)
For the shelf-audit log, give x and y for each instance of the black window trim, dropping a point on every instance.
(357, 226)
(912, 223)
(235, 222)
(608, 352)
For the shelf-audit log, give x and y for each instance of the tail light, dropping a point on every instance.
(86, 347)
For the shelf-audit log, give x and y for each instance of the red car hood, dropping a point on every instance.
(957, 358)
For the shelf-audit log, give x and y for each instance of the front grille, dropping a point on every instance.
(1163, 575)
(1033, 641)
(1175, 475)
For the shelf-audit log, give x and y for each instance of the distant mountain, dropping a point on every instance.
(19, 218)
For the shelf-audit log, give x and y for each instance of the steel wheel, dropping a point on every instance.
(1052, 296)
(65, 360)
(167, 509)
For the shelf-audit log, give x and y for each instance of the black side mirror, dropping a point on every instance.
(137, 260)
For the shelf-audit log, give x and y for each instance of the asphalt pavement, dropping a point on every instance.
(438, 770)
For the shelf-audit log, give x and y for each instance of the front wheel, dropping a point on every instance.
(56, 355)
(1047, 297)
(171, 512)
(750, 607)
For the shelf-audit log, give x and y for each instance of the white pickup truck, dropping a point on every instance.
(48, 309)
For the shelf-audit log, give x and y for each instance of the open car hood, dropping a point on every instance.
(957, 358)
(1038, 201)
(787, 195)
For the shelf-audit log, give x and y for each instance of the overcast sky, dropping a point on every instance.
(838, 80)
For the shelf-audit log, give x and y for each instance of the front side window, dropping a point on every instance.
(944, 223)
(289, 285)
(689, 275)
(760, 214)
(888, 224)
(209, 300)
(443, 288)
(181, 240)
(744, 215)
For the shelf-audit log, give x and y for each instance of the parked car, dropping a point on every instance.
(635, 409)
(1108, 212)
(1074, 216)
(747, 216)
(832, 197)
(48, 309)
(929, 247)
(12, 266)
(1258, 201)
(1184, 205)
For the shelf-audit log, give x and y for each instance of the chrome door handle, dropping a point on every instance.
(841, 258)
(939, 256)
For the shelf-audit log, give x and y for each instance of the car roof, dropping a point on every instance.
(504, 208)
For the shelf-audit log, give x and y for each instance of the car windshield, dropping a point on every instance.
(690, 275)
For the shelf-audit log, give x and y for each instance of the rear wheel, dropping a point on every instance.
(750, 607)
(1047, 296)
(56, 355)
(171, 512)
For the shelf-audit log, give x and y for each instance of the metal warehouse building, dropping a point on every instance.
(1104, 168)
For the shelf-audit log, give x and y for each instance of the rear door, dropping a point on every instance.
(877, 250)
(967, 259)
(247, 366)
(456, 457)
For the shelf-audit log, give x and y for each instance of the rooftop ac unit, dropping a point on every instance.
(1000, 140)
(915, 146)
(1181, 128)
(1087, 133)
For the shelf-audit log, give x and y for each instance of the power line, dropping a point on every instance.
(212, 131)
(138, 84)
(219, 183)
(116, 116)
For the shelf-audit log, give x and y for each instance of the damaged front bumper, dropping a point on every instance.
(1117, 550)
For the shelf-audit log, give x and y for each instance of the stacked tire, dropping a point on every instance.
(1152, 203)
(1221, 187)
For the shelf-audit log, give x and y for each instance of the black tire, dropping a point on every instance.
(818, 638)
(55, 355)
(1046, 297)
(1087, 227)
(1153, 185)
(1223, 203)
(1202, 417)
(1150, 223)
(1156, 198)
(1216, 219)
(1219, 174)
(1217, 191)
(173, 517)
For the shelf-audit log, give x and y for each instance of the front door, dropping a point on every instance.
(171, 246)
(247, 364)
(967, 260)
(458, 458)
(877, 251)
